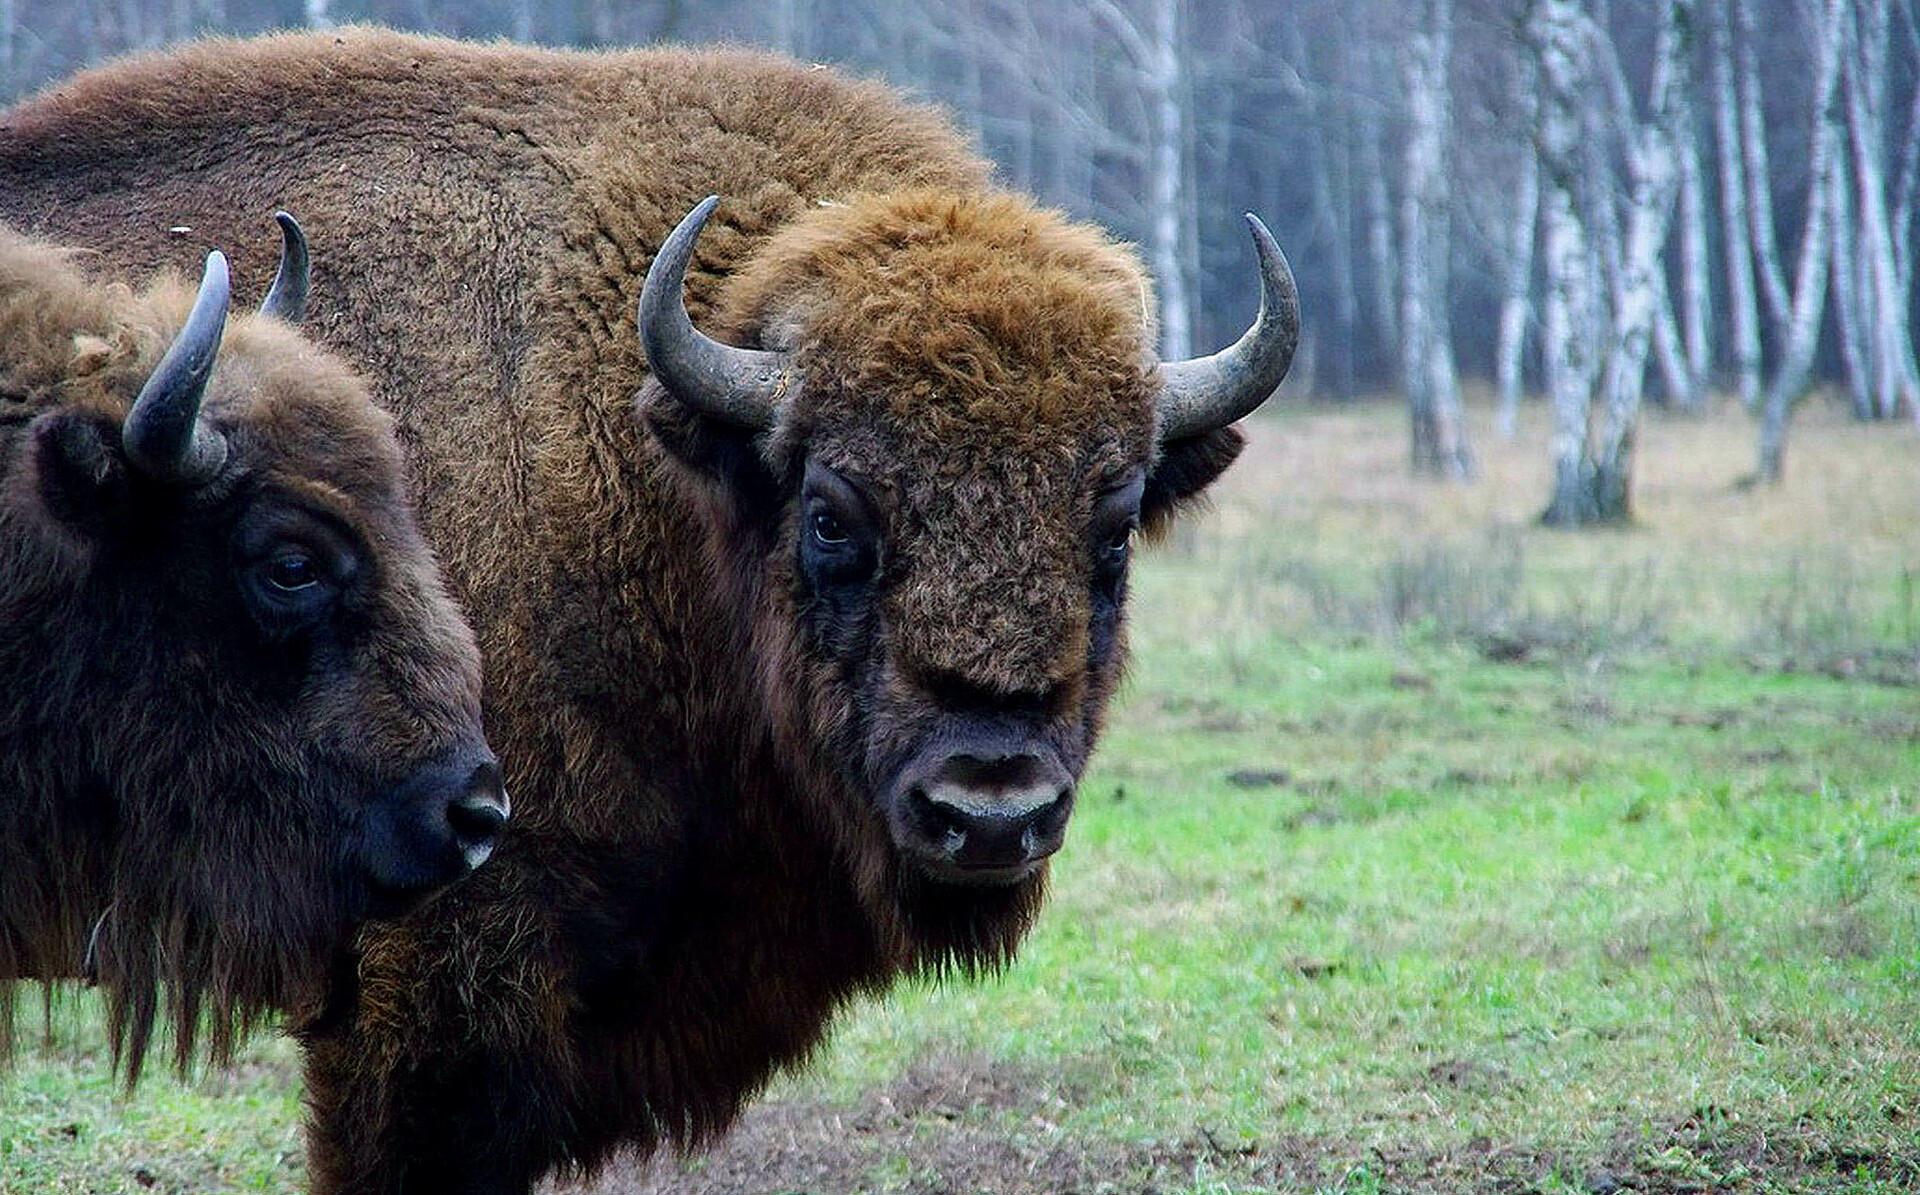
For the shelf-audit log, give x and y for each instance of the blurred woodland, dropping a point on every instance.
(1602, 203)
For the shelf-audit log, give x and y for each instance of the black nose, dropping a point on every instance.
(477, 814)
(436, 826)
(987, 819)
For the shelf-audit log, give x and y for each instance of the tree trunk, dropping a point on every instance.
(1741, 299)
(1164, 183)
(1515, 308)
(1553, 29)
(1753, 147)
(1382, 263)
(1850, 317)
(1887, 338)
(1696, 292)
(1654, 163)
(1810, 279)
(1439, 443)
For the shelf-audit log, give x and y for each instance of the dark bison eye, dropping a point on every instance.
(827, 529)
(293, 569)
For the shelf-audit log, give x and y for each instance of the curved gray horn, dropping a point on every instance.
(164, 436)
(287, 297)
(734, 385)
(1204, 393)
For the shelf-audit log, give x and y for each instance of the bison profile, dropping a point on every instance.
(240, 713)
(800, 621)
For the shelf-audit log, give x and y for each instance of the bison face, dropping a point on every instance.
(928, 470)
(240, 650)
(964, 643)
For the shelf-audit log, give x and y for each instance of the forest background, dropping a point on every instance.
(1601, 203)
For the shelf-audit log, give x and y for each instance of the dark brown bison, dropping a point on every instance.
(794, 661)
(239, 714)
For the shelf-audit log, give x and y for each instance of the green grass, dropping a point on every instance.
(1420, 833)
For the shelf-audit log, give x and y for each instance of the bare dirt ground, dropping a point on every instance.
(979, 1128)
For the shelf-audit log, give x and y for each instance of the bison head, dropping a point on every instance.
(246, 676)
(929, 469)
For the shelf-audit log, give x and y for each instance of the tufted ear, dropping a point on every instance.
(76, 471)
(724, 458)
(1186, 468)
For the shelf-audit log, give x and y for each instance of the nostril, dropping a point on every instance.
(476, 821)
(937, 820)
(478, 815)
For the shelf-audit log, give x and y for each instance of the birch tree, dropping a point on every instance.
(1515, 306)
(1886, 345)
(1593, 458)
(1439, 435)
(1696, 292)
(1653, 165)
(1735, 229)
(1152, 41)
(1553, 29)
(1810, 277)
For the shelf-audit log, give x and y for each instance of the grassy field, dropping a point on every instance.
(1428, 850)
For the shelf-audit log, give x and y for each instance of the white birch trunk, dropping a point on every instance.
(1654, 162)
(1887, 337)
(1696, 291)
(318, 13)
(1810, 279)
(1553, 29)
(1381, 259)
(1515, 309)
(1676, 372)
(1165, 183)
(1850, 317)
(1154, 46)
(1753, 146)
(1741, 299)
(1433, 391)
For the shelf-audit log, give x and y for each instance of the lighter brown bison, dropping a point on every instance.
(240, 714)
(793, 673)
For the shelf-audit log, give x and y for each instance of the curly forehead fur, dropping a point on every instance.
(957, 315)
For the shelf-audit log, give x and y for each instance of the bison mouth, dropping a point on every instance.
(982, 811)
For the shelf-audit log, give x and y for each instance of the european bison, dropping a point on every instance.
(240, 713)
(793, 660)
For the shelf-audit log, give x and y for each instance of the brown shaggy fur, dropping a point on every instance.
(699, 873)
(178, 789)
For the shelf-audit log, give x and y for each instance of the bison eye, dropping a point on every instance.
(292, 569)
(1116, 549)
(828, 529)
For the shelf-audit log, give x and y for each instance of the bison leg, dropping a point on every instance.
(466, 1128)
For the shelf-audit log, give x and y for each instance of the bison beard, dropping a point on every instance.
(790, 674)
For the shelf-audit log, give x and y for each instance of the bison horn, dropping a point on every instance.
(1205, 393)
(164, 436)
(287, 297)
(734, 385)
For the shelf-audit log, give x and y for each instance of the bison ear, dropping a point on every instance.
(1185, 468)
(724, 458)
(77, 471)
